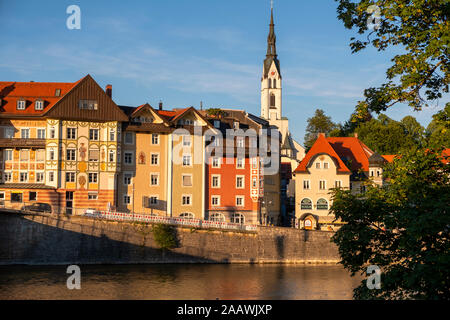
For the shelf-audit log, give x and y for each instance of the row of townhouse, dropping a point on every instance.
(69, 145)
(333, 162)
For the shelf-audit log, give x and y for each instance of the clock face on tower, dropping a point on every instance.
(273, 73)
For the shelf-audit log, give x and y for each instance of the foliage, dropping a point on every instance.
(317, 124)
(421, 30)
(165, 236)
(403, 228)
(438, 131)
(215, 112)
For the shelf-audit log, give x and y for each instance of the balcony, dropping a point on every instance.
(22, 143)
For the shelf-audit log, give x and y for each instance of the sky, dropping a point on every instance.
(183, 52)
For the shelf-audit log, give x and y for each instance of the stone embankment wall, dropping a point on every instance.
(49, 240)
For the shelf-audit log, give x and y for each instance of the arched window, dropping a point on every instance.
(306, 204)
(274, 83)
(322, 204)
(237, 218)
(217, 217)
(272, 100)
(270, 83)
(187, 215)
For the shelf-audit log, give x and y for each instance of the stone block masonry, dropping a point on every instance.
(53, 240)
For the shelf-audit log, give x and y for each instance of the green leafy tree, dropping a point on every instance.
(421, 29)
(319, 123)
(438, 131)
(403, 228)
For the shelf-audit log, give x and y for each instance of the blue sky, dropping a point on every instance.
(184, 52)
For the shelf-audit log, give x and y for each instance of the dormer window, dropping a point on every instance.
(57, 92)
(236, 125)
(88, 105)
(21, 105)
(39, 105)
(216, 124)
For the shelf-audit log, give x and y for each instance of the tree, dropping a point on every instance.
(421, 29)
(403, 228)
(319, 123)
(438, 131)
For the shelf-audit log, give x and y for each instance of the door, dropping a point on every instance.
(69, 202)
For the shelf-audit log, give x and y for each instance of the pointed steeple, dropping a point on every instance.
(271, 55)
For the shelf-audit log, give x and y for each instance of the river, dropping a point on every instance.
(174, 282)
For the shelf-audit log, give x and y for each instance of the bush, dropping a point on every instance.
(165, 236)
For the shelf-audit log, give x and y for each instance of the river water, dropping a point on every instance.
(174, 282)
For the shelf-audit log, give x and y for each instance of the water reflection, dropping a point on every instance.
(180, 282)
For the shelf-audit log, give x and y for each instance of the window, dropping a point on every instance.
(322, 204)
(32, 196)
(186, 160)
(240, 142)
(71, 133)
(215, 200)
(186, 141)
(274, 83)
(92, 195)
(255, 182)
(2, 196)
(235, 125)
(325, 165)
(7, 176)
(7, 155)
(187, 180)
(127, 178)
(111, 155)
(94, 155)
(71, 154)
(187, 215)
(272, 100)
(378, 173)
(270, 83)
(216, 124)
(21, 105)
(128, 157)
(24, 155)
(88, 105)
(16, 197)
(155, 159)
(40, 155)
(153, 200)
(112, 135)
(240, 163)
(239, 182)
(9, 133)
(25, 133)
(216, 162)
(322, 185)
(215, 181)
(52, 133)
(237, 218)
(306, 185)
(338, 184)
(306, 204)
(39, 177)
(51, 176)
(254, 163)
(186, 200)
(317, 165)
(23, 176)
(126, 199)
(154, 179)
(129, 137)
(57, 92)
(217, 217)
(41, 133)
(70, 176)
(93, 134)
(239, 201)
(93, 177)
(155, 138)
(39, 105)
(51, 154)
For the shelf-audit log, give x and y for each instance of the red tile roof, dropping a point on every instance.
(389, 157)
(11, 92)
(322, 146)
(353, 149)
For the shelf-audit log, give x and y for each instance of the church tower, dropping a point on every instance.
(271, 79)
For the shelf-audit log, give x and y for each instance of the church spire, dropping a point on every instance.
(271, 39)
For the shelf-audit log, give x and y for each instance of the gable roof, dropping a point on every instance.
(322, 146)
(353, 149)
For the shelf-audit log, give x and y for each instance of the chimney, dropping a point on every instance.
(160, 105)
(321, 134)
(356, 135)
(108, 90)
(201, 105)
